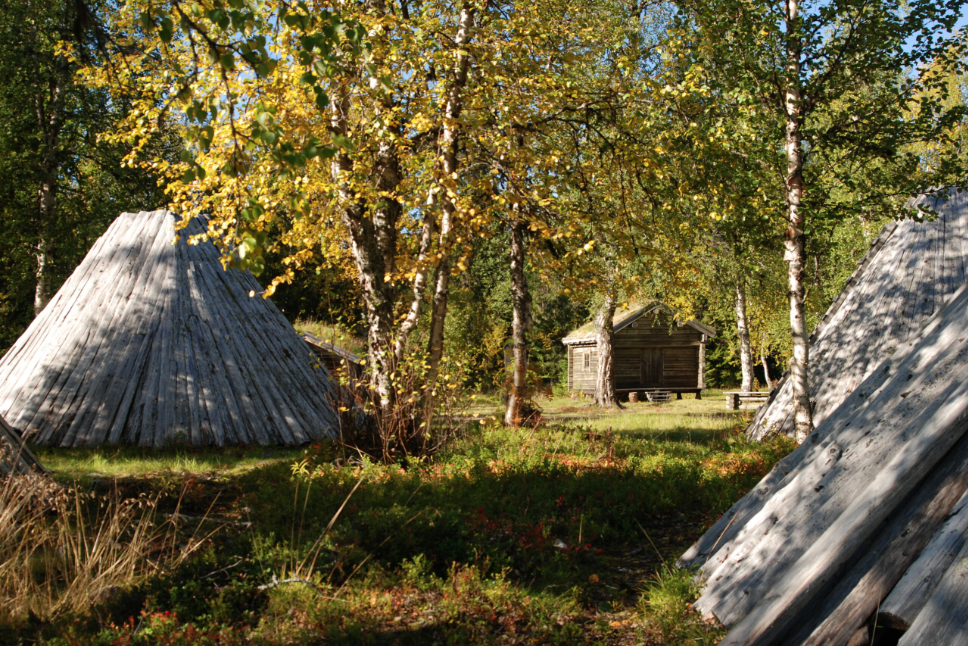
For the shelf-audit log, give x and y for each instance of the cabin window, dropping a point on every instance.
(588, 359)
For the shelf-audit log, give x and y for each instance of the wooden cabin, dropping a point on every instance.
(652, 351)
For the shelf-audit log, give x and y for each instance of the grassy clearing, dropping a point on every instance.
(559, 534)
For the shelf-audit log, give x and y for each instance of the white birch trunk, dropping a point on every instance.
(795, 241)
(743, 331)
(447, 174)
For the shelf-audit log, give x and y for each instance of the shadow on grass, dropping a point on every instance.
(550, 518)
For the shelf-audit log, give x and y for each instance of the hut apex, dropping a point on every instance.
(151, 342)
(651, 351)
(910, 271)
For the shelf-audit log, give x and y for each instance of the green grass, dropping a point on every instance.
(85, 465)
(558, 534)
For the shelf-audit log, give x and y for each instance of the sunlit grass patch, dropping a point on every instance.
(115, 461)
(332, 334)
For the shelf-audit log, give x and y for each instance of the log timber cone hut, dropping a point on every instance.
(151, 342)
(910, 271)
(863, 528)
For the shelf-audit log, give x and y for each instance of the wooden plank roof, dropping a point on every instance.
(865, 520)
(628, 315)
(150, 342)
(911, 269)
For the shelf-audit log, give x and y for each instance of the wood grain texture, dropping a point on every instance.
(870, 514)
(919, 582)
(911, 269)
(151, 342)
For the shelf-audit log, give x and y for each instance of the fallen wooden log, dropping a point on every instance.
(15, 457)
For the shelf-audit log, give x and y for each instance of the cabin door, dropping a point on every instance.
(651, 367)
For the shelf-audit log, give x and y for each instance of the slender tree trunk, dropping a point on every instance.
(795, 241)
(50, 112)
(419, 287)
(370, 247)
(447, 174)
(605, 378)
(42, 288)
(742, 329)
(521, 323)
(766, 372)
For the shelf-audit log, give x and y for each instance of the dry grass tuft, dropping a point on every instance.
(63, 550)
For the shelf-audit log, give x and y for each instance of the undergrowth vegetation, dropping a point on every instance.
(563, 533)
(63, 550)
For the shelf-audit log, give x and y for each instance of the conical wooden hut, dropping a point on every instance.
(151, 342)
(910, 271)
(861, 531)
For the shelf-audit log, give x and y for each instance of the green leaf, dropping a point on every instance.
(167, 29)
(227, 61)
(343, 142)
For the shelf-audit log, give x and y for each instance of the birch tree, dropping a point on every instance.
(843, 86)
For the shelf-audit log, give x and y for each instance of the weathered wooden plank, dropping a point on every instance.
(32, 348)
(860, 592)
(807, 467)
(51, 385)
(104, 357)
(919, 582)
(831, 526)
(16, 456)
(232, 392)
(944, 618)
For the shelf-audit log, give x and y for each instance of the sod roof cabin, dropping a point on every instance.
(150, 342)
(334, 357)
(911, 269)
(651, 350)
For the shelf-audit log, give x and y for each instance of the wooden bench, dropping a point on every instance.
(740, 400)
